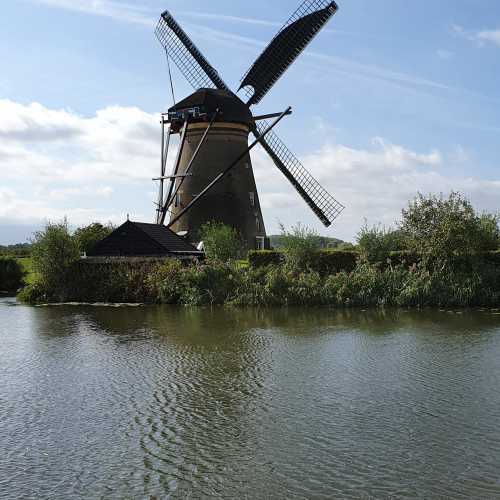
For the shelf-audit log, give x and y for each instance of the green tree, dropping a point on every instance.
(443, 228)
(377, 242)
(221, 242)
(300, 245)
(87, 237)
(54, 250)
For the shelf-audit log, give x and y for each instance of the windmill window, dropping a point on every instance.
(257, 223)
(261, 243)
(252, 199)
(177, 200)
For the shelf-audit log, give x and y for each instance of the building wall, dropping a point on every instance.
(234, 200)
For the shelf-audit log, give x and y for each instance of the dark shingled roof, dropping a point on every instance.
(165, 237)
(138, 239)
(232, 109)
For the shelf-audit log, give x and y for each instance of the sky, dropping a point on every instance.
(391, 98)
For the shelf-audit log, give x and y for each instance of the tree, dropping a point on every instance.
(377, 242)
(87, 237)
(300, 245)
(54, 250)
(221, 242)
(444, 228)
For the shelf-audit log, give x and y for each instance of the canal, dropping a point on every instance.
(140, 402)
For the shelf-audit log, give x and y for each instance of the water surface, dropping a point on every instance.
(101, 402)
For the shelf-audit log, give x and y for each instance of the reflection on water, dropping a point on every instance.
(139, 402)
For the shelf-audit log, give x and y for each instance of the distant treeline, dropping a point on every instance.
(18, 250)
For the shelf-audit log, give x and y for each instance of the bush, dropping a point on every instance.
(34, 293)
(110, 280)
(323, 262)
(300, 246)
(54, 251)
(87, 237)
(221, 242)
(443, 228)
(263, 258)
(377, 242)
(11, 274)
(334, 261)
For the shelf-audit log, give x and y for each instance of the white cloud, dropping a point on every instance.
(56, 163)
(480, 37)
(490, 36)
(374, 183)
(105, 8)
(102, 170)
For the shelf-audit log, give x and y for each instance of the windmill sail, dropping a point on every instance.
(286, 46)
(321, 202)
(186, 56)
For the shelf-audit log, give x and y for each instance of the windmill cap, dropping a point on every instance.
(231, 108)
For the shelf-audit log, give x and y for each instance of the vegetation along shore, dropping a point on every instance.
(441, 253)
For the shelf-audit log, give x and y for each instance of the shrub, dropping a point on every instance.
(323, 262)
(334, 261)
(377, 242)
(209, 284)
(54, 251)
(11, 274)
(300, 246)
(442, 228)
(263, 258)
(34, 293)
(221, 242)
(88, 236)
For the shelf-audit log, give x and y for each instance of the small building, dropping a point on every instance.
(138, 239)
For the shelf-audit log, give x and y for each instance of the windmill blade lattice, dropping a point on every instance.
(321, 202)
(286, 46)
(186, 56)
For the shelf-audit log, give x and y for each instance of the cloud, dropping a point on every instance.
(147, 17)
(59, 163)
(490, 36)
(56, 163)
(480, 38)
(121, 12)
(374, 183)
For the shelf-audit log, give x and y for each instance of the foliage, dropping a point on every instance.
(18, 250)
(54, 251)
(26, 264)
(262, 258)
(87, 237)
(221, 242)
(323, 261)
(300, 246)
(443, 254)
(33, 293)
(443, 228)
(324, 242)
(376, 242)
(11, 274)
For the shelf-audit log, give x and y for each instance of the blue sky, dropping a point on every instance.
(392, 98)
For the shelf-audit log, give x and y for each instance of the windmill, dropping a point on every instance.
(212, 177)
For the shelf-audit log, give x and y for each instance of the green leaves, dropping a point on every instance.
(222, 243)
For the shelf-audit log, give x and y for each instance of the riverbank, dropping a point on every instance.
(469, 283)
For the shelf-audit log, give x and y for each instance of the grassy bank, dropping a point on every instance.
(474, 282)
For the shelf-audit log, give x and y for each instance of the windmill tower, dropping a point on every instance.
(212, 177)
